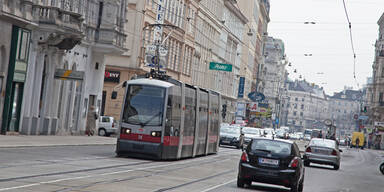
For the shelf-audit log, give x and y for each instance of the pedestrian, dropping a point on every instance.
(357, 142)
(91, 121)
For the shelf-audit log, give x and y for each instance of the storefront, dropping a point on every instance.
(113, 78)
(14, 88)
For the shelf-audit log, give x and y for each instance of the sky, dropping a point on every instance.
(331, 65)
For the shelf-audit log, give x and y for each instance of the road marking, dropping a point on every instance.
(104, 174)
(217, 186)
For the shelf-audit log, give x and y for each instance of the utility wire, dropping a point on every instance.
(352, 45)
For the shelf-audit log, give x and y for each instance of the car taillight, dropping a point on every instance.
(244, 157)
(294, 163)
(334, 152)
(308, 150)
(113, 124)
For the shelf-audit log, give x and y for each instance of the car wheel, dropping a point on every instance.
(240, 182)
(336, 167)
(249, 183)
(382, 168)
(306, 163)
(301, 186)
(295, 188)
(102, 132)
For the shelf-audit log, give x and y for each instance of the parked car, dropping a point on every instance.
(250, 133)
(231, 136)
(106, 126)
(272, 161)
(322, 151)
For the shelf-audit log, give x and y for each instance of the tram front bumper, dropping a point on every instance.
(138, 149)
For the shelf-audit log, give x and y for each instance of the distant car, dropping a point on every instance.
(106, 126)
(307, 137)
(231, 136)
(322, 151)
(250, 133)
(272, 161)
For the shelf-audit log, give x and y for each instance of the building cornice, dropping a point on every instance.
(230, 4)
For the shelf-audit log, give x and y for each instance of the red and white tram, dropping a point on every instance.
(168, 120)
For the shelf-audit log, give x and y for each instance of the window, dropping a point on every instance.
(296, 99)
(294, 113)
(381, 99)
(302, 99)
(302, 106)
(295, 105)
(301, 114)
(106, 120)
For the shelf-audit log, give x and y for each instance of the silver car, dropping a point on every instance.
(322, 151)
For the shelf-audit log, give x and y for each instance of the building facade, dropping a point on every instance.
(344, 107)
(304, 106)
(274, 75)
(54, 80)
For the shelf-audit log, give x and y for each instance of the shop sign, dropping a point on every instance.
(241, 87)
(112, 76)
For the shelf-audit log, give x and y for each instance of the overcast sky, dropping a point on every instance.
(331, 65)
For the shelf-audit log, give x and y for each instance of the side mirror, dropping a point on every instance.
(305, 146)
(340, 150)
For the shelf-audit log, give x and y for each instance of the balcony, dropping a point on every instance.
(17, 11)
(106, 40)
(65, 21)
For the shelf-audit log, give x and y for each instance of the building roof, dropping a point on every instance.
(348, 94)
(305, 86)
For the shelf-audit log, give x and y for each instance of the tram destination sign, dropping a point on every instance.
(220, 66)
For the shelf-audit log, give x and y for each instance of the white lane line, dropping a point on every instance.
(102, 174)
(217, 186)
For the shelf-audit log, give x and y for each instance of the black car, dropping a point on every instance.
(272, 161)
(231, 136)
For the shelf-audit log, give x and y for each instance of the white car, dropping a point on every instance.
(106, 126)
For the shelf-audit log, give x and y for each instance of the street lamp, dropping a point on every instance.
(308, 55)
(309, 23)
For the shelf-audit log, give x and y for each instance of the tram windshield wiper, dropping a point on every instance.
(150, 119)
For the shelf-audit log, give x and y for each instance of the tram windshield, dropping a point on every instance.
(144, 105)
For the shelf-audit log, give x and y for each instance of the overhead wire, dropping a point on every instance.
(352, 45)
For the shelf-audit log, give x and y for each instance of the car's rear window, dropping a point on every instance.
(323, 143)
(274, 146)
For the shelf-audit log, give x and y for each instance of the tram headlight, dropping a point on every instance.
(156, 133)
(125, 130)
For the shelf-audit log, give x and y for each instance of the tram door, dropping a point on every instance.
(203, 123)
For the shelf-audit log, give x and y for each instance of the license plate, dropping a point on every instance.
(266, 161)
(225, 141)
(321, 151)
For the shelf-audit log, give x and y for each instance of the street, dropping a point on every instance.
(95, 168)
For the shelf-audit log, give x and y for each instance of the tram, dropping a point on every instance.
(168, 119)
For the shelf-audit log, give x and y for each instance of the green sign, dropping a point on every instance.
(220, 66)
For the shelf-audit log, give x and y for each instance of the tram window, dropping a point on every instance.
(144, 105)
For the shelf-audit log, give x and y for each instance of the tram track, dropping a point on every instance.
(151, 173)
(192, 163)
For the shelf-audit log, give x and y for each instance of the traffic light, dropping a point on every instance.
(365, 109)
(224, 111)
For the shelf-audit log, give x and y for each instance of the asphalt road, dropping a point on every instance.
(96, 169)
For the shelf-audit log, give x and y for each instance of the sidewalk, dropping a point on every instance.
(42, 141)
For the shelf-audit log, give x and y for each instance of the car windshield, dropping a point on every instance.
(323, 143)
(273, 146)
(250, 130)
(231, 130)
(144, 105)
